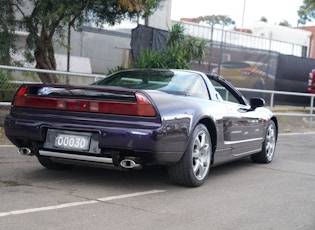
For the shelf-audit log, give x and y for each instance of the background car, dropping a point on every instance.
(248, 74)
(311, 82)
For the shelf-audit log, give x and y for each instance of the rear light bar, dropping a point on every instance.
(143, 106)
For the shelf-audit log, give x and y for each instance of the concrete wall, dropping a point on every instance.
(161, 19)
(105, 49)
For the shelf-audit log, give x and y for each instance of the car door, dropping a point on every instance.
(242, 126)
(243, 129)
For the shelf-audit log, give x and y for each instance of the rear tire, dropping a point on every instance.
(269, 145)
(49, 164)
(193, 168)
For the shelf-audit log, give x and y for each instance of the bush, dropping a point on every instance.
(181, 51)
(117, 68)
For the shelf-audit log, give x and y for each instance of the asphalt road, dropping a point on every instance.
(240, 195)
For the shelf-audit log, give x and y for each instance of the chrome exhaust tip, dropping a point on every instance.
(130, 164)
(25, 151)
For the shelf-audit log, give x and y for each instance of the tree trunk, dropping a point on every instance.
(44, 56)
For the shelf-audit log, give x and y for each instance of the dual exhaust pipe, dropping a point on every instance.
(127, 163)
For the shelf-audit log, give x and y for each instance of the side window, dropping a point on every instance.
(224, 92)
(198, 89)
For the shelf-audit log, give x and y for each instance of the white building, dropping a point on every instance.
(281, 33)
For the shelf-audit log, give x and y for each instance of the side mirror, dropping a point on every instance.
(256, 102)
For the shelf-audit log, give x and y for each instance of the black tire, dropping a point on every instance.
(269, 145)
(49, 164)
(193, 168)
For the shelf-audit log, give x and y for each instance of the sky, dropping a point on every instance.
(274, 11)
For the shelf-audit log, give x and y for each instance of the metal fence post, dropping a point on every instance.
(271, 100)
(311, 111)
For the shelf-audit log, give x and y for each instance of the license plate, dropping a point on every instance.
(72, 141)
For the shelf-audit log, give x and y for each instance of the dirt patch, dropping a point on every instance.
(300, 124)
(3, 139)
(4, 111)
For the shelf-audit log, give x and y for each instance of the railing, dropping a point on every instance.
(272, 94)
(272, 101)
(13, 68)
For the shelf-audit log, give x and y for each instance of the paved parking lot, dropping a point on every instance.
(240, 195)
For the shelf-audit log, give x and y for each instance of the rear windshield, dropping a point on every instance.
(174, 82)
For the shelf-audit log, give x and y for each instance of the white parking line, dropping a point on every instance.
(6, 146)
(292, 134)
(72, 204)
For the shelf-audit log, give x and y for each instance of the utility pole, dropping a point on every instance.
(243, 14)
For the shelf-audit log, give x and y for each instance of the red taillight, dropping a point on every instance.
(145, 108)
(142, 107)
(246, 72)
(39, 102)
(21, 91)
(19, 99)
(311, 82)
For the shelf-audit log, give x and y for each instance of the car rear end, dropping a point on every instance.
(88, 124)
(311, 82)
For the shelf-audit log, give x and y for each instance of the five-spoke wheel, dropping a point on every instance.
(269, 145)
(193, 168)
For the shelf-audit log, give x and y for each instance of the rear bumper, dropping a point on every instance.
(157, 145)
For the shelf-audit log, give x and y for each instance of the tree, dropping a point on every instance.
(306, 11)
(263, 19)
(284, 23)
(217, 20)
(7, 36)
(138, 7)
(47, 19)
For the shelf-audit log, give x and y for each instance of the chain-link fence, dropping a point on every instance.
(244, 40)
(7, 87)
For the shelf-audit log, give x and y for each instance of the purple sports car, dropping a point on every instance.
(185, 120)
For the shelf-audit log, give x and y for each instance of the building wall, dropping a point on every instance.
(105, 49)
(281, 33)
(161, 19)
(311, 29)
